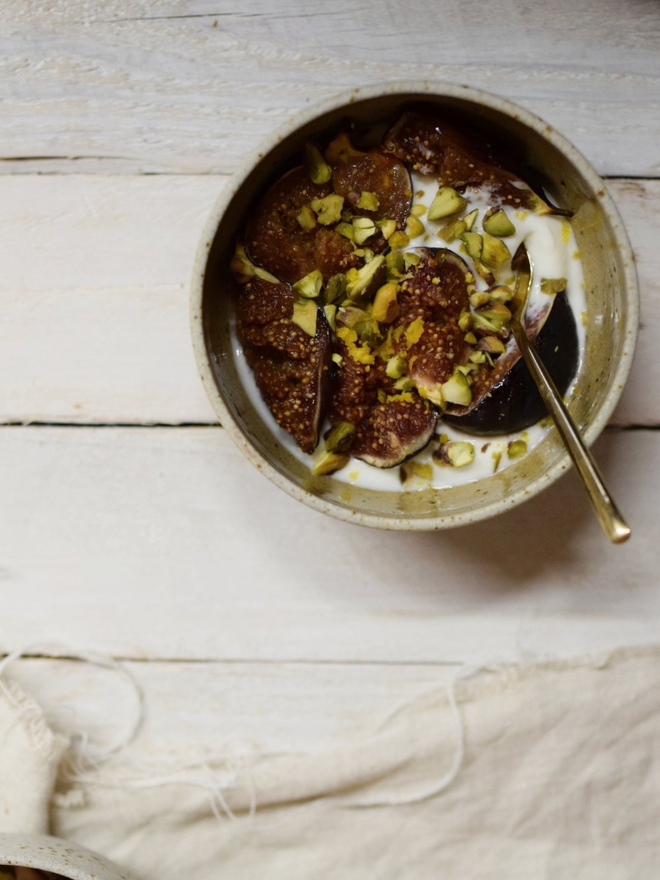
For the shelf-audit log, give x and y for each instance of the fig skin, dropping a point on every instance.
(514, 403)
(290, 367)
(393, 431)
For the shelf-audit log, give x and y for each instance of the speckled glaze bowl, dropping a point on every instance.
(611, 289)
(45, 853)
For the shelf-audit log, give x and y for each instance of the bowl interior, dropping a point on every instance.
(610, 331)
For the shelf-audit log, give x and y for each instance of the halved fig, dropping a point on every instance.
(289, 365)
(431, 145)
(382, 178)
(354, 387)
(430, 304)
(393, 431)
(514, 404)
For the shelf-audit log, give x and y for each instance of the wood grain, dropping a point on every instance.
(190, 85)
(166, 543)
(94, 291)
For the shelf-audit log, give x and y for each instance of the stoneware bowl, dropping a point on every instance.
(611, 289)
(53, 854)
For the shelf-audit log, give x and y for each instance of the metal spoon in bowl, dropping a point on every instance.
(614, 525)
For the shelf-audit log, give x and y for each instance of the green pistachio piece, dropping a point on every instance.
(491, 344)
(478, 299)
(386, 308)
(470, 218)
(328, 209)
(466, 369)
(363, 228)
(329, 463)
(457, 389)
(330, 312)
(345, 229)
(337, 359)
(501, 293)
(395, 264)
(305, 313)
(446, 202)
(496, 312)
(470, 338)
(244, 270)
(358, 280)
(478, 357)
(414, 227)
(460, 453)
(497, 223)
(410, 470)
(396, 366)
(368, 201)
(306, 218)
(473, 244)
(318, 169)
(335, 289)
(553, 285)
(465, 321)
(404, 384)
(452, 230)
(309, 286)
(399, 239)
(340, 437)
(493, 252)
(410, 259)
(387, 227)
(516, 449)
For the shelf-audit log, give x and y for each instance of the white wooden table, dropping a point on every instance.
(129, 524)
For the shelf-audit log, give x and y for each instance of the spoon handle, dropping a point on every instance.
(609, 516)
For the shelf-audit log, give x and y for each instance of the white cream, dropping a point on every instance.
(553, 253)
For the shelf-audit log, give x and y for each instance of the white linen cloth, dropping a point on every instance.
(560, 780)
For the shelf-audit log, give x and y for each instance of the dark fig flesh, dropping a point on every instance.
(393, 431)
(514, 403)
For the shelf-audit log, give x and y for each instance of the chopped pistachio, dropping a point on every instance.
(497, 458)
(516, 449)
(306, 218)
(367, 254)
(385, 308)
(411, 469)
(304, 315)
(470, 338)
(330, 312)
(496, 312)
(368, 201)
(478, 357)
(404, 384)
(244, 270)
(328, 209)
(359, 280)
(479, 299)
(337, 359)
(452, 230)
(329, 463)
(345, 229)
(414, 332)
(460, 453)
(497, 223)
(491, 344)
(341, 149)
(473, 244)
(411, 259)
(466, 369)
(387, 227)
(396, 366)
(501, 293)
(553, 285)
(493, 251)
(399, 239)
(363, 228)
(470, 218)
(418, 210)
(414, 227)
(318, 169)
(457, 389)
(309, 286)
(340, 437)
(465, 321)
(446, 202)
(395, 264)
(335, 289)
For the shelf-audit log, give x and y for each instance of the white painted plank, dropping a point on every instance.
(194, 710)
(166, 543)
(94, 297)
(190, 85)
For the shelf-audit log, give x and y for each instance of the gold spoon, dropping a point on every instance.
(609, 516)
